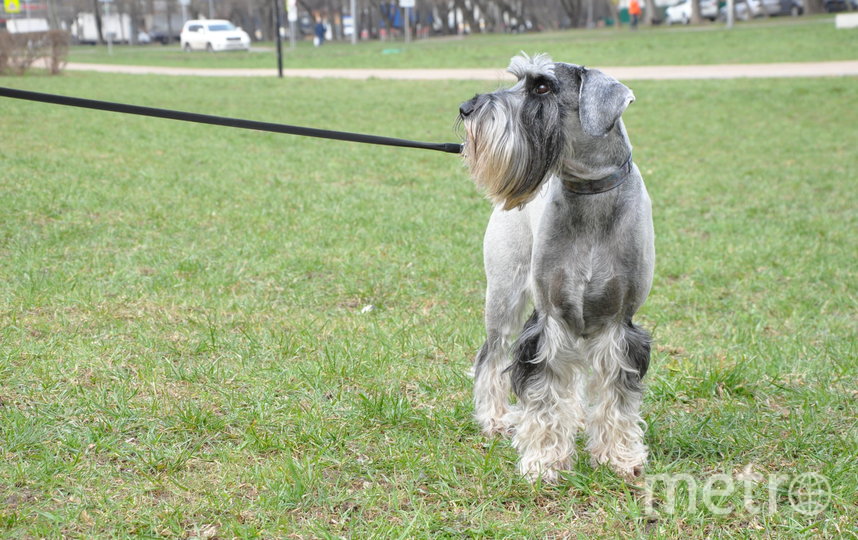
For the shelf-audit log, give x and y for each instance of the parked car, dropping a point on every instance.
(834, 6)
(213, 35)
(681, 12)
(163, 37)
(746, 9)
(25, 26)
(797, 8)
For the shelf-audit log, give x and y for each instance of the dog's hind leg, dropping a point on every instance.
(619, 357)
(507, 260)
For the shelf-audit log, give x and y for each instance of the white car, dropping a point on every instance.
(213, 35)
(745, 9)
(681, 12)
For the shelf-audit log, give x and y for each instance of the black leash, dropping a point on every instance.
(452, 148)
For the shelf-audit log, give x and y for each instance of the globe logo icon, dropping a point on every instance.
(809, 493)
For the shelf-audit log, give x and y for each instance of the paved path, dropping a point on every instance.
(717, 71)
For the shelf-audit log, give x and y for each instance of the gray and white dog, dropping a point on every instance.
(571, 237)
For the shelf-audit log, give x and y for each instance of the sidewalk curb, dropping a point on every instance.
(846, 68)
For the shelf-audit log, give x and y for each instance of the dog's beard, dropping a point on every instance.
(506, 160)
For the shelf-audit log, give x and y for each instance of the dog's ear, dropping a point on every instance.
(601, 101)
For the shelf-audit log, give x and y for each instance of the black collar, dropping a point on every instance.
(579, 186)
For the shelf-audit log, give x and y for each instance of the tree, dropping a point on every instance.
(813, 6)
(608, 9)
(695, 12)
(97, 12)
(649, 15)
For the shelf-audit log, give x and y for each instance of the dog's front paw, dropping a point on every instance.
(630, 474)
(547, 473)
(496, 426)
(500, 421)
(627, 465)
(495, 420)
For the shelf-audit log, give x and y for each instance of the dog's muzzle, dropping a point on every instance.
(468, 108)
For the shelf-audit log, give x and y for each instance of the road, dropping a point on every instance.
(624, 73)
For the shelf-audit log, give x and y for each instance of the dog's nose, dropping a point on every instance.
(467, 108)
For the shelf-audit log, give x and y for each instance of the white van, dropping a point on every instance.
(213, 35)
(24, 26)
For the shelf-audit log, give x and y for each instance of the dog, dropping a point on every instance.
(570, 237)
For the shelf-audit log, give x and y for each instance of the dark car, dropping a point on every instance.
(163, 37)
(836, 6)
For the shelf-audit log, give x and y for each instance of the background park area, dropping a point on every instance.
(208, 332)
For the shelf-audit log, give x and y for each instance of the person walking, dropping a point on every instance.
(635, 13)
(320, 31)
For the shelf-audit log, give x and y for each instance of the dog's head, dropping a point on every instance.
(517, 137)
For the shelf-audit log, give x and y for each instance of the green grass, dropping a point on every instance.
(783, 39)
(184, 349)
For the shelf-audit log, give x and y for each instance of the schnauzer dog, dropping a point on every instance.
(571, 237)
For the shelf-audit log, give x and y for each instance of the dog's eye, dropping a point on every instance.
(541, 89)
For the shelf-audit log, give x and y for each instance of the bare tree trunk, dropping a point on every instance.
(573, 10)
(135, 27)
(488, 12)
(169, 6)
(813, 6)
(308, 9)
(52, 15)
(442, 8)
(695, 12)
(526, 14)
(97, 12)
(369, 20)
(388, 18)
(615, 12)
(649, 16)
(468, 13)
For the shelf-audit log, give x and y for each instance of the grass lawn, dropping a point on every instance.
(780, 39)
(213, 332)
